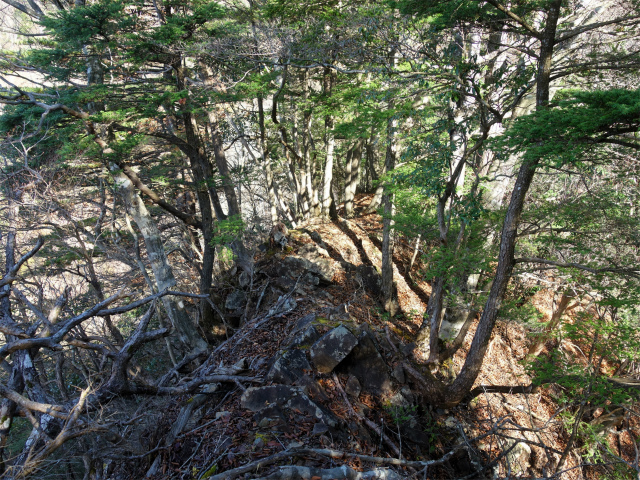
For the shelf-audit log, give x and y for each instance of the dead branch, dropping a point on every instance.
(10, 276)
(362, 418)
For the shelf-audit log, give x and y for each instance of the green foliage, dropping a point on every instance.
(229, 230)
(570, 131)
(20, 430)
(445, 13)
(523, 313)
(611, 335)
(400, 413)
(596, 450)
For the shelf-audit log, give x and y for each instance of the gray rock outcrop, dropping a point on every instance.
(332, 348)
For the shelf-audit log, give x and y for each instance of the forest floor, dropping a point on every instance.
(222, 436)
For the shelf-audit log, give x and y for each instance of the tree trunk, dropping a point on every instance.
(471, 368)
(162, 271)
(330, 142)
(15, 382)
(266, 163)
(353, 177)
(388, 291)
(233, 207)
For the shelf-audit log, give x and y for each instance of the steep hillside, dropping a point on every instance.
(320, 384)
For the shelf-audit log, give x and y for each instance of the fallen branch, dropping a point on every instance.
(344, 472)
(333, 454)
(10, 276)
(362, 418)
(508, 389)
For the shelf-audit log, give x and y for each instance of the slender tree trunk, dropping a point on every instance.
(353, 177)
(377, 196)
(162, 271)
(8, 409)
(371, 163)
(295, 184)
(473, 363)
(307, 174)
(328, 169)
(330, 142)
(266, 163)
(388, 291)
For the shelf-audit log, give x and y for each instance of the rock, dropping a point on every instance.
(451, 422)
(310, 251)
(305, 338)
(244, 279)
(398, 373)
(353, 387)
(313, 388)
(302, 472)
(338, 313)
(518, 457)
(315, 236)
(258, 443)
(370, 279)
(270, 416)
(282, 306)
(452, 322)
(284, 283)
(332, 348)
(289, 367)
(266, 422)
(280, 239)
(408, 394)
(399, 401)
(235, 300)
(278, 235)
(319, 429)
(309, 259)
(269, 399)
(310, 279)
(368, 366)
(304, 322)
(224, 415)
(257, 398)
(305, 404)
(408, 349)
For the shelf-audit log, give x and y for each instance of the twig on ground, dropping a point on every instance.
(362, 418)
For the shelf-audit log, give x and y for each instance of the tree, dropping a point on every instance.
(551, 32)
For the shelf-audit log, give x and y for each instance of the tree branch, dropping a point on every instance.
(633, 271)
(521, 21)
(155, 198)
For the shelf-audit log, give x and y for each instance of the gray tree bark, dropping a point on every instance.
(163, 274)
(353, 177)
(388, 291)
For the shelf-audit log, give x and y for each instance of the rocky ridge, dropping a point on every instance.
(332, 385)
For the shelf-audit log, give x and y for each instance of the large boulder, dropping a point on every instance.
(518, 457)
(281, 397)
(332, 348)
(304, 333)
(257, 398)
(289, 367)
(369, 277)
(452, 322)
(367, 365)
(309, 259)
(235, 300)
